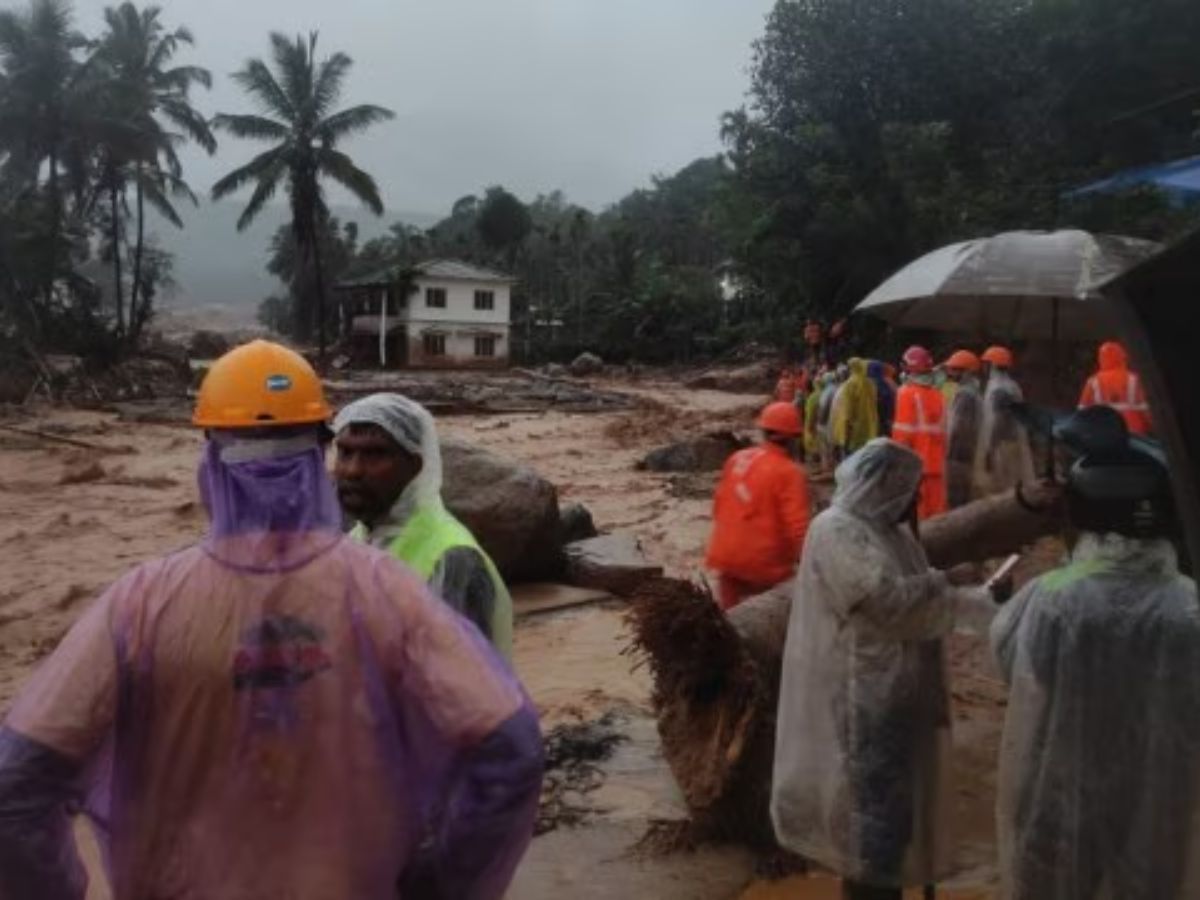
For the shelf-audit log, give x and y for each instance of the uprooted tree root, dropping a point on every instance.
(573, 751)
(711, 700)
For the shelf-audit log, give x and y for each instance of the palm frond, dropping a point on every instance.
(153, 194)
(260, 83)
(254, 128)
(327, 85)
(294, 68)
(181, 114)
(341, 168)
(254, 170)
(267, 185)
(181, 78)
(351, 121)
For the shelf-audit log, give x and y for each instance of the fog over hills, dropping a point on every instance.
(218, 266)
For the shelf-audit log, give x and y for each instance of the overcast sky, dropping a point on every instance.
(590, 96)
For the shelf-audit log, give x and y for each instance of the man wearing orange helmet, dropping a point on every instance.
(1004, 458)
(760, 511)
(965, 411)
(1116, 386)
(276, 711)
(920, 425)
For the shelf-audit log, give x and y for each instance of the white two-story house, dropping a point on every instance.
(454, 315)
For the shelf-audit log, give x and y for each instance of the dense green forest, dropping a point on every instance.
(872, 131)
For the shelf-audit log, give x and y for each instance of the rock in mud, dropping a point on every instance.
(83, 473)
(756, 378)
(586, 364)
(577, 523)
(703, 454)
(611, 562)
(511, 510)
(556, 370)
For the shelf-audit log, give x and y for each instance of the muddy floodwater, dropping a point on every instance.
(73, 519)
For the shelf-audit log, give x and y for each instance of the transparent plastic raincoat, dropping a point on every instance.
(421, 532)
(1003, 458)
(962, 441)
(855, 410)
(864, 711)
(277, 712)
(1099, 795)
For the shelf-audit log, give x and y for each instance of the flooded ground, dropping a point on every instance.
(73, 519)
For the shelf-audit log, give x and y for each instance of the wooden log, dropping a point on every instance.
(717, 676)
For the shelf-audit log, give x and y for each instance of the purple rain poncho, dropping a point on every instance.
(276, 712)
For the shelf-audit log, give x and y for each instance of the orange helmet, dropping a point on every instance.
(781, 418)
(918, 360)
(964, 360)
(1001, 357)
(260, 384)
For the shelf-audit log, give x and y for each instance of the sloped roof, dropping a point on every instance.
(446, 269)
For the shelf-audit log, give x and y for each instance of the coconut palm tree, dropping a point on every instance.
(37, 104)
(297, 100)
(149, 97)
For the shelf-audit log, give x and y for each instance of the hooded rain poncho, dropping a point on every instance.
(855, 410)
(275, 712)
(420, 526)
(962, 441)
(1099, 794)
(1003, 458)
(864, 711)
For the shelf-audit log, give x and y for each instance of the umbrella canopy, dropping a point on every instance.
(1011, 286)
(1179, 180)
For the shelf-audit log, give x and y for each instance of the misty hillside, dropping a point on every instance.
(215, 265)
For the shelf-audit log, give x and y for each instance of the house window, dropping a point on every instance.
(485, 300)
(485, 345)
(434, 344)
(435, 298)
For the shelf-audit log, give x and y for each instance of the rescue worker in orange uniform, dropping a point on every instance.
(760, 511)
(920, 425)
(1116, 386)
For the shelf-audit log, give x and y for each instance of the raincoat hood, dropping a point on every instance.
(879, 482)
(1113, 357)
(411, 426)
(858, 368)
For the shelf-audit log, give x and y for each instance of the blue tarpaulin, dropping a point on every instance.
(1179, 180)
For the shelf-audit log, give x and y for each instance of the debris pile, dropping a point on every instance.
(706, 453)
(573, 751)
(449, 393)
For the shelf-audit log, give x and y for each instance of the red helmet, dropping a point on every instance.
(781, 418)
(918, 360)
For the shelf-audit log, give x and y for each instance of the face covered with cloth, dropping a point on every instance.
(276, 711)
(389, 474)
(862, 743)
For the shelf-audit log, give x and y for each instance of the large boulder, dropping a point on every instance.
(586, 364)
(512, 511)
(756, 378)
(611, 562)
(706, 453)
(576, 523)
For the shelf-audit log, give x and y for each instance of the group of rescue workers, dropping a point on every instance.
(1100, 760)
(285, 710)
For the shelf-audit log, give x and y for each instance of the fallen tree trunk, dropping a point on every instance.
(716, 676)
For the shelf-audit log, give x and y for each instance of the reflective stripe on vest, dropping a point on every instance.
(426, 537)
(1131, 404)
(922, 426)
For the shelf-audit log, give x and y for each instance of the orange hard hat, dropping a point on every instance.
(260, 384)
(965, 360)
(918, 360)
(781, 418)
(998, 356)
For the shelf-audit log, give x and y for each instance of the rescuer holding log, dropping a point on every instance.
(864, 710)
